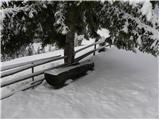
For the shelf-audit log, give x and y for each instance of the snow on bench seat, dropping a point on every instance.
(58, 77)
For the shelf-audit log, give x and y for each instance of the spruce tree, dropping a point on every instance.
(58, 22)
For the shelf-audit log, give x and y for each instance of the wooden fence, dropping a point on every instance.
(16, 68)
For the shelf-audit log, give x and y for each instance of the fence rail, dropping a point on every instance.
(25, 77)
(29, 85)
(30, 65)
(88, 53)
(4, 68)
(99, 42)
(13, 69)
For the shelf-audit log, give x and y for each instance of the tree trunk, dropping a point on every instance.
(69, 48)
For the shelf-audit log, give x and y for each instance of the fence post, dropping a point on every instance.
(94, 49)
(32, 72)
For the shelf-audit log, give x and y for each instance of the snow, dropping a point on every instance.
(78, 39)
(87, 42)
(31, 14)
(123, 85)
(139, 41)
(125, 28)
(59, 16)
(10, 89)
(102, 39)
(147, 9)
(103, 32)
(64, 69)
(31, 58)
(53, 53)
(135, 2)
(153, 30)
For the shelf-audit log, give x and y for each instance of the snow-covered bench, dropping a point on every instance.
(58, 77)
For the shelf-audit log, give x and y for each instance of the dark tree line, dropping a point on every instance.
(58, 21)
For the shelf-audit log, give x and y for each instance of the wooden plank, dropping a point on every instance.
(19, 79)
(25, 87)
(33, 72)
(88, 53)
(88, 46)
(3, 68)
(58, 77)
(83, 56)
(25, 77)
(32, 64)
(16, 70)
(20, 69)
(94, 53)
(5, 83)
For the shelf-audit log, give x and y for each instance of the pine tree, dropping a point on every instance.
(58, 22)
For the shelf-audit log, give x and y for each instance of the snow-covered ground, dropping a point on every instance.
(123, 85)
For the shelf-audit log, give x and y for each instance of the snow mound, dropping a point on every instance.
(123, 85)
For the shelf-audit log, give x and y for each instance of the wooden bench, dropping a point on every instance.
(58, 77)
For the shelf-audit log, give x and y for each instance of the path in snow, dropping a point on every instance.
(123, 85)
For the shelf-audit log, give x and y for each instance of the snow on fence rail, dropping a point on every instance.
(22, 88)
(25, 77)
(99, 42)
(88, 53)
(29, 65)
(12, 69)
(25, 63)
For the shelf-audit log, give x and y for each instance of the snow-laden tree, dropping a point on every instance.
(131, 25)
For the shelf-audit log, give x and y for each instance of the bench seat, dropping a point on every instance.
(58, 77)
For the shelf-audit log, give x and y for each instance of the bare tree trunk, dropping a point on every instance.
(69, 48)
